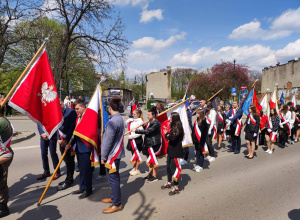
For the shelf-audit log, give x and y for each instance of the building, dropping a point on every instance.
(158, 85)
(281, 74)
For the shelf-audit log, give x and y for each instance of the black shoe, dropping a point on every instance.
(166, 186)
(147, 177)
(152, 179)
(174, 192)
(63, 186)
(250, 157)
(77, 170)
(4, 211)
(79, 191)
(43, 176)
(61, 183)
(230, 150)
(246, 156)
(85, 194)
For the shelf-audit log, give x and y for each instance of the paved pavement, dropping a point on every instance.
(232, 187)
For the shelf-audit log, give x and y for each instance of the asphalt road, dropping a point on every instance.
(232, 187)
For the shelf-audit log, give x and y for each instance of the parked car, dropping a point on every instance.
(169, 105)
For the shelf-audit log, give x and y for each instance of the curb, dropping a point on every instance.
(23, 138)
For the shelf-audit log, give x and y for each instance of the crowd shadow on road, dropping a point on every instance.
(48, 212)
(294, 214)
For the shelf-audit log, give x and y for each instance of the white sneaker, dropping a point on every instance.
(135, 172)
(183, 162)
(270, 152)
(211, 159)
(133, 169)
(267, 151)
(292, 142)
(198, 169)
(207, 158)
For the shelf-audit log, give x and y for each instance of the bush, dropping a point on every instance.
(149, 103)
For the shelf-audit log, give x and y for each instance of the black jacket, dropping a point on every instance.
(275, 124)
(251, 127)
(152, 134)
(204, 132)
(220, 124)
(175, 149)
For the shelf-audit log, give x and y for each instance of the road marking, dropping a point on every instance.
(24, 148)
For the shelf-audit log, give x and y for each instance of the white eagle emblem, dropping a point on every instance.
(47, 94)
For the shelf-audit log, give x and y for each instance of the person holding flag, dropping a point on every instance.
(235, 120)
(200, 132)
(272, 125)
(292, 121)
(284, 130)
(135, 141)
(112, 150)
(6, 157)
(212, 130)
(175, 152)
(152, 143)
(251, 130)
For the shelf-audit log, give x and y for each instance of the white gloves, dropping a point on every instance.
(254, 135)
(209, 132)
(281, 125)
(269, 130)
(222, 129)
(130, 136)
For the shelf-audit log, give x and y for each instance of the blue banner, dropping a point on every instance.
(247, 103)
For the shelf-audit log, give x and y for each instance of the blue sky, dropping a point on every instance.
(198, 34)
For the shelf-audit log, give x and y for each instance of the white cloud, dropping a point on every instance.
(142, 57)
(151, 42)
(148, 16)
(142, 3)
(289, 51)
(283, 26)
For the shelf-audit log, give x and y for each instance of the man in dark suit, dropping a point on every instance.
(235, 114)
(84, 152)
(45, 143)
(64, 135)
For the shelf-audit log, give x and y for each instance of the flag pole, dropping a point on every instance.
(2, 104)
(253, 85)
(57, 167)
(211, 97)
(182, 102)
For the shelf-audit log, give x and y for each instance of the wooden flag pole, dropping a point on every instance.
(211, 98)
(2, 104)
(163, 112)
(55, 171)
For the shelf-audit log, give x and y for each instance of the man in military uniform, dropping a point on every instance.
(6, 155)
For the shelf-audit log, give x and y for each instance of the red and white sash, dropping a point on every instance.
(178, 169)
(224, 129)
(287, 124)
(253, 121)
(152, 155)
(73, 148)
(214, 127)
(198, 136)
(273, 135)
(110, 163)
(61, 135)
(136, 154)
(238, 127)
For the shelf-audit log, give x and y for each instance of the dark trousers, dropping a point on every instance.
(209, 144)
(235, 140)
(102, 170)
(186, 153)
(293, 133)
(85, 170)
(2, 111)
(8, 110)
(70, 165)
(51, 144)
(262, 139)
(4, 193)
(199, 157)
(114, 180)
(171, 168)
(283, 137)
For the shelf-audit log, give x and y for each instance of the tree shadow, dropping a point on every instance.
(144, 211)
(43, 212)
(294, 214)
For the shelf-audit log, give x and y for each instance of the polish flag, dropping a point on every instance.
(36, 96)
(294, 100)
(273, 100)
(164, 119)
(264, 105)
(91, 125)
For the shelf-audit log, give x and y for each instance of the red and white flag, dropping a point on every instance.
(165, 125)
(36, 96)
(294, 100)
(264, 105)
(89, 128)
(273, 100)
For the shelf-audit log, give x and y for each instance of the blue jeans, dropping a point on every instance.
(51, 144)
(114, 180)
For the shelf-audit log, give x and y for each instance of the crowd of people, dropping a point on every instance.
(146, 139)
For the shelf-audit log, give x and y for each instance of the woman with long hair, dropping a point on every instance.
(221, 118)
(272, 125)
(199, 134)
(251, 130)
(292, 121)
(135, 141)
(285, 117)
(212, 130)
(175, 152)
(159, 108)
